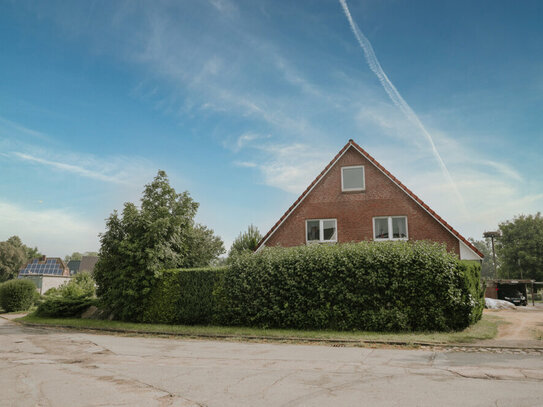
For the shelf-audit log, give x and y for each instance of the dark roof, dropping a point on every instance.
(73, 266)
(419, 201)
(54, 266)
(88, 263)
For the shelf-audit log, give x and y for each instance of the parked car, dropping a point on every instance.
(516, 298)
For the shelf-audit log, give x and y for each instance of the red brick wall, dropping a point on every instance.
(355, 211)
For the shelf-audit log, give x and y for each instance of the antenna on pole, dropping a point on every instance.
(493, 235)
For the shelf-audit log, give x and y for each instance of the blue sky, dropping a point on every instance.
(243, 103)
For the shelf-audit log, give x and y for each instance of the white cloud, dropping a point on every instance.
(117, 170)
(245, 164)
(54, 231)
(11, 127)
(290, 167)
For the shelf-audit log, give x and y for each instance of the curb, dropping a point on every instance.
(290, 339)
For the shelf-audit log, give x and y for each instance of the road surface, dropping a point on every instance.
(52, 367)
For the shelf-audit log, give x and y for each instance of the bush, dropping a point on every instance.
(184, 297)
(394, 286)
(69, 300)
(60, 307)
(17, 295)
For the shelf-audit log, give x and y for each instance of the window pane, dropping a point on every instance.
(329, 228)
(353, 178)
(399, 228)
(381, 228)
(313, 230)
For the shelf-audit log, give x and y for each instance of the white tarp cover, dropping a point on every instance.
(491, 303)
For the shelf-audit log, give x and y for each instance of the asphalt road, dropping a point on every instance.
(49, 367)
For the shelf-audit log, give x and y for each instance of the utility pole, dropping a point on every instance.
(493, 235)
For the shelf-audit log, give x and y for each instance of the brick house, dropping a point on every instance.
(354, 199)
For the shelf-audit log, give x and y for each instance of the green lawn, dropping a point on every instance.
(484, 329)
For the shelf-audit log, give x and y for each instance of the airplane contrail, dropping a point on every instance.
(394, 95)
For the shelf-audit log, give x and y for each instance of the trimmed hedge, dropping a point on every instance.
(184, 297)
(394, 286)
(17, 295)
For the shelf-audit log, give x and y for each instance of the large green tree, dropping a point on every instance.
(520, 247)
(13, 255)
(142, 242)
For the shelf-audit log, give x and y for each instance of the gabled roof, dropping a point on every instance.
(88, 263)
(45, 266)
(410, 193)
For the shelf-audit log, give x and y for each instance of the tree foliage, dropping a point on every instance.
(13, 255)
(141, 242)
(485, 247)
(205, 247)
(78, 256)
(246, 241)
(520, 247)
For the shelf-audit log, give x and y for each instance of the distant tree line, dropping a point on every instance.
(519, 249)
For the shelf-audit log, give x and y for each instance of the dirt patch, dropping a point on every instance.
(520, 324)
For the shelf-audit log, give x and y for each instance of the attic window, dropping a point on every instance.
(321, 230)
(352, 178)
(390, 228)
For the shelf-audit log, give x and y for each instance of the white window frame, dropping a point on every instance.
(363, 179)
(321, 231)
(390, 234)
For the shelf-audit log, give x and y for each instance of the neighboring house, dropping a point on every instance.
(46, 273)
(73, 266)
(355, 199)
(86, 263)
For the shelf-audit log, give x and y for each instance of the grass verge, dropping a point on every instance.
(486, 328)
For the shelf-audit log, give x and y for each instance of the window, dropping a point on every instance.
(321, 230)
(352, 178)
(390, 228)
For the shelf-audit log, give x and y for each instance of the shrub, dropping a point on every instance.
(17, 295)
(184, 297)
(61, 307)
(69, 300)
(391, 286)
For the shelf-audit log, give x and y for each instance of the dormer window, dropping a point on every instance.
(352, 178)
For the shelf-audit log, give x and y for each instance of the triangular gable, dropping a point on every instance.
(373, 161)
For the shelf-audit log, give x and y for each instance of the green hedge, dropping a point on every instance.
(184, 297)
(17, 295)
(371, 286)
